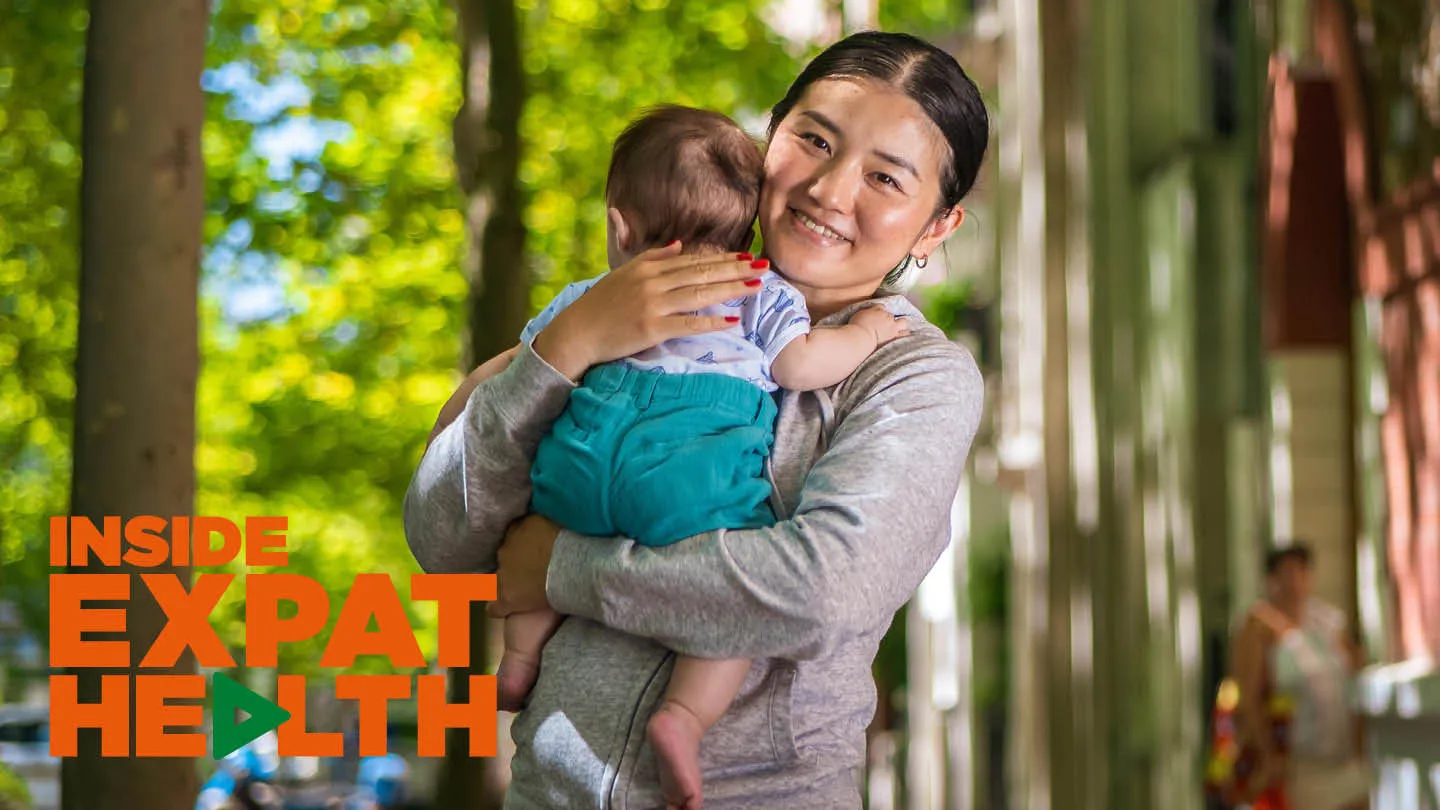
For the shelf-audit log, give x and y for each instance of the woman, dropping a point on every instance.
(869, 155)
(1293, 662)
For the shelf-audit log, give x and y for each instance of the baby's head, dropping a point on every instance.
(682, 173)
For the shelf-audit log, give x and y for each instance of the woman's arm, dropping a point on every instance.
(1262, 628)
(1248, 656)
(475, 476)
(873, 518)
(454, 406)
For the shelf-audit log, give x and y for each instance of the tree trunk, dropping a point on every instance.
(487, 155)
(142, 203)
(487, 158)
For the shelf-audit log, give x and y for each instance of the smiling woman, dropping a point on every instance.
(866, 167)
(870, 153)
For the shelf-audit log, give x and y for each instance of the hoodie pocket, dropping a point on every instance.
(756, 735)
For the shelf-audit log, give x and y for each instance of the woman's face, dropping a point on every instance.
(852, 185)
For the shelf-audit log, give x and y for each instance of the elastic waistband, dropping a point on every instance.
(649, 385)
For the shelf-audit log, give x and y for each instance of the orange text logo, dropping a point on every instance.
(167, 729)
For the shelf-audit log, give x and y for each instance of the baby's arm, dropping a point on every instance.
(824, 357)
(456, 404)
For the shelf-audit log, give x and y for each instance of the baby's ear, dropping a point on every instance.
(619, 229)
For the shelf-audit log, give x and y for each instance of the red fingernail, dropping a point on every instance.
(760, 264)
(744, 257)
(674, 243)
(731, 319)
(754, 282)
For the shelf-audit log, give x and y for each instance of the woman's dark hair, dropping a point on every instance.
(929, 76)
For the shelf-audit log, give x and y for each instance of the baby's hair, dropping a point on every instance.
(687, 174)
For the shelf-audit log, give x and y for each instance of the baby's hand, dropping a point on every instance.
(878, 319)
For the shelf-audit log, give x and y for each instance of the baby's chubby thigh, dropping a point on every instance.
(691, 466)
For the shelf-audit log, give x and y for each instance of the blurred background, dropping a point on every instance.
(1199, 273)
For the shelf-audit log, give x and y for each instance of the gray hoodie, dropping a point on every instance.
(864, 474)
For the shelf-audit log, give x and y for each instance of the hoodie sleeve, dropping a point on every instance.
(475, 477)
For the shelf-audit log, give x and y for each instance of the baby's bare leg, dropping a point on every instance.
(700, 691)
(525, 637)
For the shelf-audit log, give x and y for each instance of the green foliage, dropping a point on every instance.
(13, 793)
(1398, 61)
(41, 46)
(892, 661)
(988, 595)
(316, 396)
(944, 303)
(924, 18)
(988, 602)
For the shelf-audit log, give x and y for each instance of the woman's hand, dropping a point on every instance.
(524, 560)
(647, 301)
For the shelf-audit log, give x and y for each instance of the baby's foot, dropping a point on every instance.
(674, 732)
(514, 679)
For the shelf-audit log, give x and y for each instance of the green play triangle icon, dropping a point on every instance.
(227, 736)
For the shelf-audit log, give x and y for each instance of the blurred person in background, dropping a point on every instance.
(244, 778)
(381, 783)
(1294, 661)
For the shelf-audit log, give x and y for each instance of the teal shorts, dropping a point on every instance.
(657, 457)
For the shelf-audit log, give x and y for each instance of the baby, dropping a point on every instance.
(671, 442)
